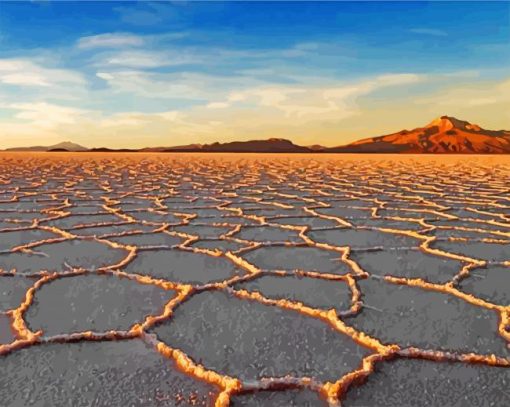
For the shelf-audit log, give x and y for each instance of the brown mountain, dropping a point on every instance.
(272, 145)
(445, 135)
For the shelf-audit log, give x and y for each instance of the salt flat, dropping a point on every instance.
(254, 280)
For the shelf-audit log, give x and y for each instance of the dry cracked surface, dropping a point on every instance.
(254, 280)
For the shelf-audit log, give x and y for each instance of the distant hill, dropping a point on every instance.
(58, 150)
(112, 150)
(272, 145)
(64, 146)
(444, 135)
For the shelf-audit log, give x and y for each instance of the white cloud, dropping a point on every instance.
(470, 95)
(24, 72)
(26, 79)
(131, 119)
(136, 59)
(105, 75)
(46, 115)
(110, 40)
(151, 85)
(146, 59)
(172, 85)
(315, 100)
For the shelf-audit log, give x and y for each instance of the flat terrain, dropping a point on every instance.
(254, 280)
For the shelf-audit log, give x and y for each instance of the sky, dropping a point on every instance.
(137, 74)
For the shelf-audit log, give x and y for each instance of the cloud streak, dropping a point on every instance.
(110, 40)
(429, 31)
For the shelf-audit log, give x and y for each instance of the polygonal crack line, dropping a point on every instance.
(349, 279)
(26, 337)
(332, 391)
(248, 245)
(425, 246)
(230, 385)
(344, 251)
(339, 220)
(463, 273)
(31, 248)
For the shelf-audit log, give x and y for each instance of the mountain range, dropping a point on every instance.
(444, 135)
(63, 146)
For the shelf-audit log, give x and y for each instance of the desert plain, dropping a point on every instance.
(254, 280)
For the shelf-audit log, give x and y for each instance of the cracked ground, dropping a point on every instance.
(254, 280)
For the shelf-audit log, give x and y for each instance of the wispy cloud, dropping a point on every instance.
(429, 31)
(155, 85)
(46, 115)
(148, 59)
(472, 96)
(24, 72)
(110, 40)
(311, 101)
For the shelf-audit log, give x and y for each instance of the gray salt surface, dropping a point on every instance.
(313, 292)
(203, 231)
(58, 256)
(421, 383)
(6, 332)
(72, 221)
(388, 224)
(312, 222)
(223, 245)
(13, 290)
(86, 209)
(411, 316)
(182, 266)
(22, 216)
(9, 240)
(25, 205)
(283, 398)
(412, 214)
(155, 217)
(148, 239)
(362, 238)
(477, 250)
(99, 374)
(231, 220)
(292, 258)
(114, 229)
(268, 234)
(408, 264)
(272, 211)
(491, 284)
(346, 213)
(446, 233)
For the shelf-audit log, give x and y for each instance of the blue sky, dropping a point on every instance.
(167, 73)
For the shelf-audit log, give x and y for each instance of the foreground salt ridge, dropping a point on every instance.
(225, 200)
